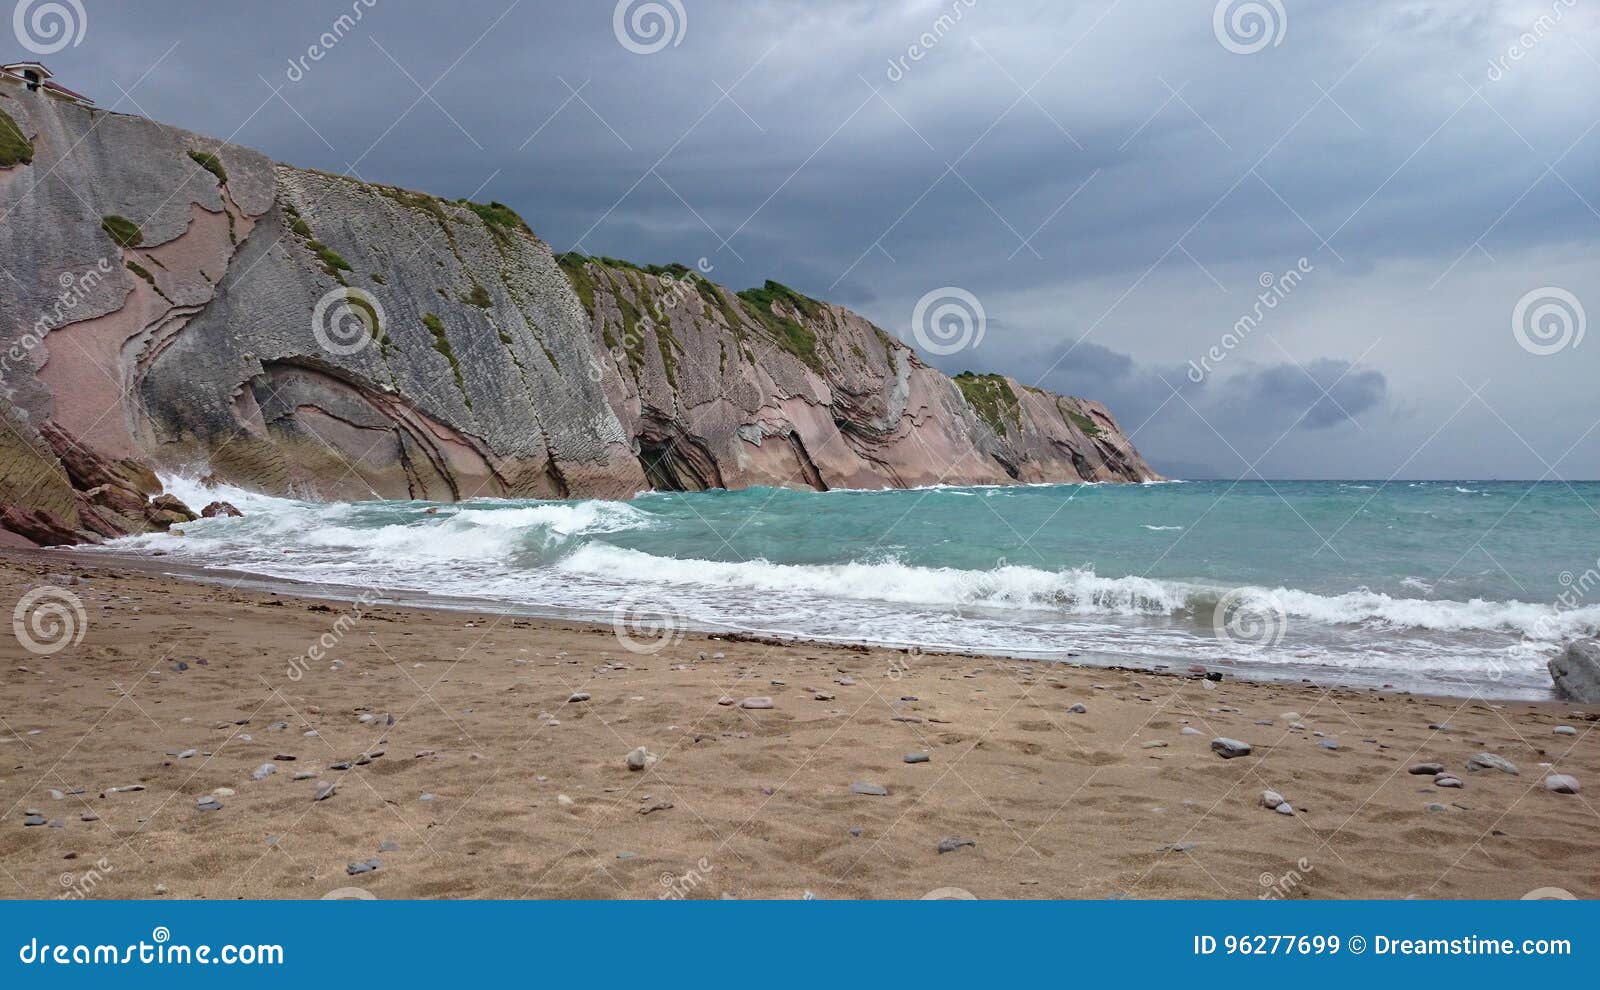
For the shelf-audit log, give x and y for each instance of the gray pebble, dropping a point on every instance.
(577, 697)
(916, 757)
(1565, 730)
(1489, 761)
(1426, 769)
(1229, 748)
(951, 843)
(1447, 780)
(32, 820)
(365, 866)
(1560, 783)
(264, 771)
(871, 790)
(325, 790)
(1079, 709)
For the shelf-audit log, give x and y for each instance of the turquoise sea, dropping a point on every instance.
(1452, 587)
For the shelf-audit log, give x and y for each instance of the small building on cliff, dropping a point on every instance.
(37, 78)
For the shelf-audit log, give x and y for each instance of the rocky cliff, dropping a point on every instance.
(174, 302)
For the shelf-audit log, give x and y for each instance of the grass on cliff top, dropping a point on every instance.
(122, 230)
(794, 337)
(14, 147)
(991, 397)
(211, 163)
(497, 214)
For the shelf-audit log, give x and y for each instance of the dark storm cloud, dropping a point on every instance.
(1100, 174)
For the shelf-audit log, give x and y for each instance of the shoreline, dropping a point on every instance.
(463, 758)
(1087, 658)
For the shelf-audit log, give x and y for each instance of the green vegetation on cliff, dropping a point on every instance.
(1089, 427)
(991, 398)
(211, 163)
(14, 148)
(441, 343)
(497, 214)
(792, 336)
(122, 230)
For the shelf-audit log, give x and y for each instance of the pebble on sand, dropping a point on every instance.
(1229, 748)
(1426, 769)
(1447, 780)
(264, 771)
(325, 790)
(1271, 799)
(916, 757)
(756, 703)
(951, 843)
(365, 866)
(1079, 709)
(1560, 783)
(1489, 761)
(871, 790)
(640, 758)
(578, 696)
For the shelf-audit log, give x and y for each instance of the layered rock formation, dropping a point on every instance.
(177, 303)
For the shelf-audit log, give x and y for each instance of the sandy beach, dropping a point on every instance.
(464, 763)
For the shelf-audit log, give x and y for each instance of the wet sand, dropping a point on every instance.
(492, 783)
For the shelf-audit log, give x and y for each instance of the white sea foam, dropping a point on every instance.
(1077, 591)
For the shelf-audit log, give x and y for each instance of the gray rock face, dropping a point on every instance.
(1576, 672)
(300, 331)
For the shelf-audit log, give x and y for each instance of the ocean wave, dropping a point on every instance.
(1078, 591)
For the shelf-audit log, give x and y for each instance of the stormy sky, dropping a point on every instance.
(1294, 239)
